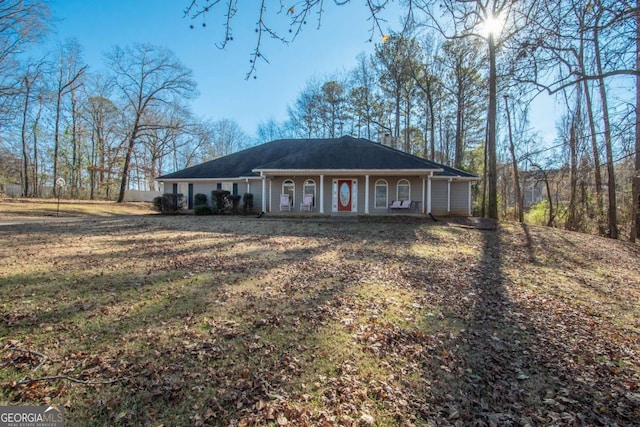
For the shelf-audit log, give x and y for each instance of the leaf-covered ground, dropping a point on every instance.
(156, 320)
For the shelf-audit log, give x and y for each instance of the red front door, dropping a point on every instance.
(344, 195)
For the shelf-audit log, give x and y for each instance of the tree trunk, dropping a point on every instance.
(596, 159)
(102, 152)
(457, 161)
(611, 178)
(407, 125)
(56, 144)
(635, 203)
(550, 199)
(127, 159)
(74, 146)
(397, 125)
(572, 217)
(36, 122)
(93, 158)
(432, 124)
(484, 182)
(492, 175)
(514, 161)
(23, 134)
(125, 170)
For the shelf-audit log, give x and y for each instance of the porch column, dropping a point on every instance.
(321, 194)
(264, 194)
(449, 196)
(429, 193)
(366, 194)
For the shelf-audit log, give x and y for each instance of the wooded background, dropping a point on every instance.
(453, 84)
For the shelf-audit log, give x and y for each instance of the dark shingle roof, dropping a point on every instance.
(311, 154)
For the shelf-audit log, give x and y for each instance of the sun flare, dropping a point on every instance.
(493, 25)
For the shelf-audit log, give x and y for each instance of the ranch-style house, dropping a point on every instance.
(330, 176)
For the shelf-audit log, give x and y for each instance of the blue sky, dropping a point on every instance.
(224, 92)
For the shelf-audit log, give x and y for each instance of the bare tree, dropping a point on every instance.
(102, 117)
(588, 41)
(146, 76)
(35, 131)
(201, 135)
(484, 19)
(514, 163)
(69, 74)
(22, 22)
(228, 137)
(573, 139)
(611, 176)
(635, 212)
(162, 135)
(31, 76)
(270, 130)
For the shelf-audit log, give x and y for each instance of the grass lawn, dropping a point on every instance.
(125, 317)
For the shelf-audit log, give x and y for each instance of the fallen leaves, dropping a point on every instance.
(232, 321)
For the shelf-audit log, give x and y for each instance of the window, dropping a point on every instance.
(404, 190)
(219, 186)
(234, 190)
(381, 194)
(288, 187)
(309, 187)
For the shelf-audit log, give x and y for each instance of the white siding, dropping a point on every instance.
(141, 196)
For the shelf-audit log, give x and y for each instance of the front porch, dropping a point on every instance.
(343, 194)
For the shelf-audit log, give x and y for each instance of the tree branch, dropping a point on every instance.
(299, 14)
(73, 380)
(33, 352)
(44, 358)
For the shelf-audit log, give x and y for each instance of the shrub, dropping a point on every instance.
(200, 199)
(538, 214)
(168, 203)
(157, 203)
(235, 200)
(202, 210)
(218, 200)
(247, 200)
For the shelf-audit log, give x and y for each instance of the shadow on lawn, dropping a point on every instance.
(510, 372)
(200, 345)
(497, 382)
(222, 346)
